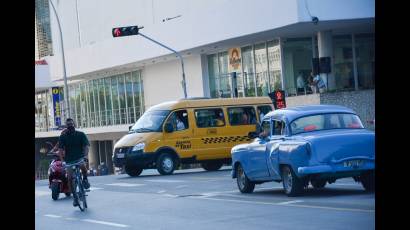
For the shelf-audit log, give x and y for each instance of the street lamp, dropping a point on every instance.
(134, 30)
(66, 97)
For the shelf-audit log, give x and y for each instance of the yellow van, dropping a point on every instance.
(189, 131)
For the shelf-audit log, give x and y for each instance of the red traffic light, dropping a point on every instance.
(116, 32)
(125, 31)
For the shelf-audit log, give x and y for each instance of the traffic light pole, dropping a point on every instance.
(178, 55)
(66, 96)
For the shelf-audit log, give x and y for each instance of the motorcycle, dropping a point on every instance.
(57, 177)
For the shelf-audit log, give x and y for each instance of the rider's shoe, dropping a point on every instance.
(86, 183)
(75, 202)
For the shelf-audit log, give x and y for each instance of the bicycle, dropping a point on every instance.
(78, 189)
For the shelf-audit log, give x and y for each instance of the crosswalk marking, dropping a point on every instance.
(165, 181)
(124, 184)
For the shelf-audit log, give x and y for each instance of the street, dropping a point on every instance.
(198, 199)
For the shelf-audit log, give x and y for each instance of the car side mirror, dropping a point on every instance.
(129, 128)
(169, 128)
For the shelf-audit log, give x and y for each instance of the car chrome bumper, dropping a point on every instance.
(338, 166)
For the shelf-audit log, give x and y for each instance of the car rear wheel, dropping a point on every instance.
(133, 171)
(320, 183)
(166, 164)
(367, 180)
(292, 185)
(212, 166)
(244, 184)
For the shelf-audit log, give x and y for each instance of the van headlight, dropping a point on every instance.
(139, 146)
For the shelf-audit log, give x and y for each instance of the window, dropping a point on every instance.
(151, 121)
(209, 118)
(263, 110)
(326, 121)
(278, 127)
(179, 120)
(265, 129)
(242, 116)
(343, 62)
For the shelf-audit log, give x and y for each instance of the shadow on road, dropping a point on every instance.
(175, 175)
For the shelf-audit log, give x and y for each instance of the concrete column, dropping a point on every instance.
(109, 148)
(93, 155)
(325, 46)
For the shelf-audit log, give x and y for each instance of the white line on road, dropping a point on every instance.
(105, 223)
(170, 195)
(52, 216)
(70, 218)
(162, 191)
(42, 193)
(94, 188)
(289, 205)
(182, 186)
(290, 202)
(124, 184)
(165, 181)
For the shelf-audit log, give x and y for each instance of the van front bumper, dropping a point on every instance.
(135, 159)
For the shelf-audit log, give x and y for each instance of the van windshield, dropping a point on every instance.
(150, 121)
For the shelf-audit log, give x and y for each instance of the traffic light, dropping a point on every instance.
(125, 31)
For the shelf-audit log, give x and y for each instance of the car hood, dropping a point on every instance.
(132, 139)
(338, 144)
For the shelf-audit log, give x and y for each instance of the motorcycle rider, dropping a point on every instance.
(60, 155)
(75, 146)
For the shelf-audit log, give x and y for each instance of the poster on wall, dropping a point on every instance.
(56, 106)
(278, 99)
(234, 60)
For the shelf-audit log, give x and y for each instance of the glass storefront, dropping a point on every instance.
(260, 73)
(297, 58)
(262, 63)
(113, 100)
(343, 62)
(364, 44)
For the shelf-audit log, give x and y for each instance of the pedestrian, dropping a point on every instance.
(300, 83)
(311, 83)
(320, 84)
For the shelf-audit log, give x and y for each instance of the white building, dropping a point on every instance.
(113, 80)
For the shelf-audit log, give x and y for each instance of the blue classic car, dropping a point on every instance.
(317, 144)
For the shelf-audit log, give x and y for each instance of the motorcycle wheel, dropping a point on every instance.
(55, 191)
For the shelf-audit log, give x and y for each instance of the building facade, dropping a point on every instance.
(247, 47)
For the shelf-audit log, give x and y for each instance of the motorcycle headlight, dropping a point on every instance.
(139, 146)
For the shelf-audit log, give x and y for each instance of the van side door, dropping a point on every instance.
(180, 136)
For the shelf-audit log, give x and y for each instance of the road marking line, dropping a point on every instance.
(70, 218)
(289, 205)
(182, 186)
(94, 188)
(52, 216)
(162, 191)
(124, 184)
(165, 181)
(358, 185)
(42, 193)
(106, 223)
(170, 195)
(290, 202)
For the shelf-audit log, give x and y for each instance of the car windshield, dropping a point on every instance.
(325, 121)
(151, 121)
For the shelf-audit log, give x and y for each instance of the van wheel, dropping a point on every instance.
(244, 184)
(133, 171)
(292, 185)
(212, 166)
(166, 164)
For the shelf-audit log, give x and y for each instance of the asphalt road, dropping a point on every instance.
(197, 199)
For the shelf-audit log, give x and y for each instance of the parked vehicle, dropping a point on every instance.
(317, 144)
(57, 177)
(189, 131)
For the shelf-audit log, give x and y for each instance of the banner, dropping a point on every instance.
(234, 60)
(56, 106)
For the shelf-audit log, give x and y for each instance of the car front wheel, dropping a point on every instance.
(244, 184)
(166, 164)
(367, 180)
(292, 185)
